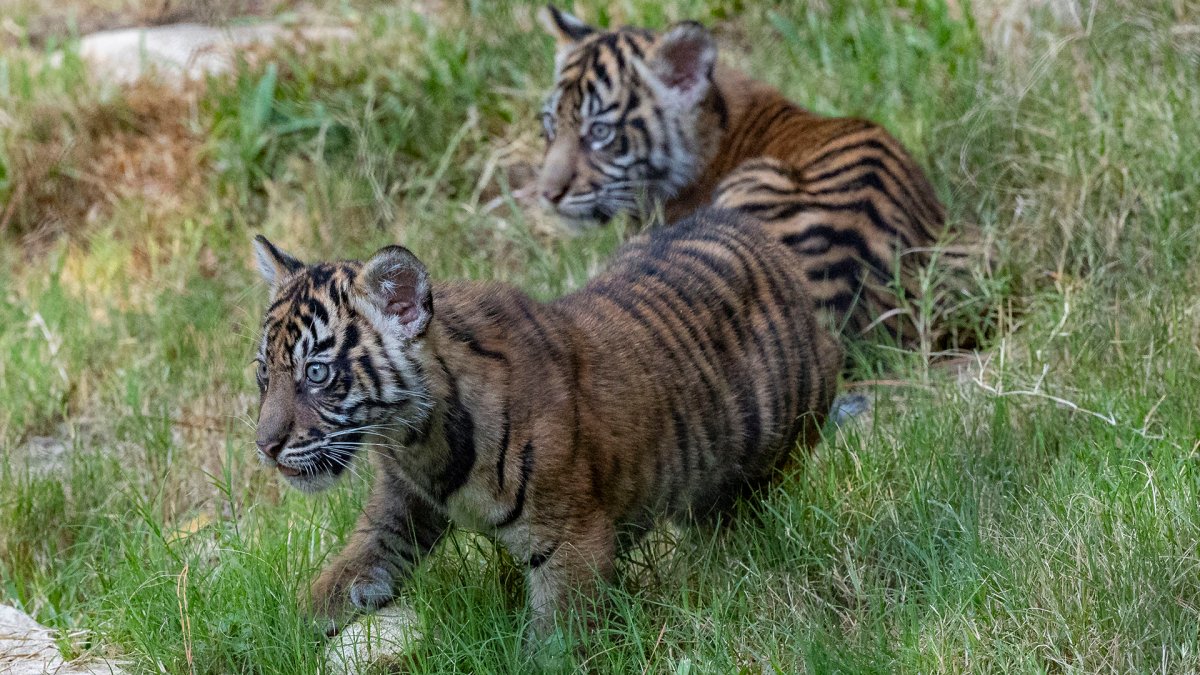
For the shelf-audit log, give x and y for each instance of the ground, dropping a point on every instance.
(1027, 507)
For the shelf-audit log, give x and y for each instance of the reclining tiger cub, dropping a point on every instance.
(682, 377)
(639, 120)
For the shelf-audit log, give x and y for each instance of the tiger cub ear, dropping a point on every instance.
(565, 28)
(398, 284)
(682, 62)
(273, 264)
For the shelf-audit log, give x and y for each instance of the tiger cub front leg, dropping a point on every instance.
(566, 569)
(391, 536)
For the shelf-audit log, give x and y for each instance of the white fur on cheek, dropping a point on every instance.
(385, 324)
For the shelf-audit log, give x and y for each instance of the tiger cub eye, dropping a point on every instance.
(600, 133)
(318, 373)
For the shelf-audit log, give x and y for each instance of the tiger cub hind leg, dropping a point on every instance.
(566, 572)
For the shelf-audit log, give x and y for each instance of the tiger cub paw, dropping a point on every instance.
(341, 593)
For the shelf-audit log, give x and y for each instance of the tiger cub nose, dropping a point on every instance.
(554, 193)
(271, 448)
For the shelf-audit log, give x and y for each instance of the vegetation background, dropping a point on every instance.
(1031, 507)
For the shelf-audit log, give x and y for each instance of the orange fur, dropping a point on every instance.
(678, 131)
(677, 380)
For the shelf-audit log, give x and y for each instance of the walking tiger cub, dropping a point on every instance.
(673, 382)
(638, 120)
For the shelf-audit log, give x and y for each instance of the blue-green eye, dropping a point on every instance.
(600, 133)
(262, 373)
(318, 373)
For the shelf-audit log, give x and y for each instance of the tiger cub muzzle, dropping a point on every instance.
(290, 436)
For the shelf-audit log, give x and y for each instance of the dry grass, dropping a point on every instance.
(39, 23)
(75, 164)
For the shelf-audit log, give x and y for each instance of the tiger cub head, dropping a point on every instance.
(339, 360)
(633, 117)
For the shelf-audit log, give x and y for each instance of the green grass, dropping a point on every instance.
(1031, 509)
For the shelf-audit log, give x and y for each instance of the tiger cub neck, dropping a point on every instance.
(456, 458)
(741, 112)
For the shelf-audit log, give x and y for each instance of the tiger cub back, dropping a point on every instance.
(639, 121)
(679, 378)
(711, 351)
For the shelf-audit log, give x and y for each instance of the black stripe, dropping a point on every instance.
(526, 471)
(319, 275)
(931, 210)
(323, 344)
(531, 318)
(619, 55)
(463, 335)
(729, 315)
(744, 137)
(722, 108)
(504, 431)
(871, 180)
(592, 98)
(325, 417)
(693, 342)
(682, 445)
(459, 430)
(916, 205)
(780, 299)
(635, 48)
(598, 67)
(536, 560)
(316, 308)
(393, 367)
(407, 555)
(364, 362)
(864, 206)
(350, 339)
(847, 238)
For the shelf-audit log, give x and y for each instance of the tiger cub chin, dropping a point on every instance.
(678, 379)
(639, 120)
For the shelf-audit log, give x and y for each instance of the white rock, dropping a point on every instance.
(27, 648)
(45, 455)
(388, 634)
(184, 51)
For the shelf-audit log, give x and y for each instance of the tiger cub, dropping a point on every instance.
(674, 381)
(638, 120)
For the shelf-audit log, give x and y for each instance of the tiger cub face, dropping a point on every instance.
(339, 360)
(625, 125)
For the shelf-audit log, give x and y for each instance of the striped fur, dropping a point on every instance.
(675, 381)
(639, 121)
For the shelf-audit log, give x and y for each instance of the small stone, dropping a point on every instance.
(380, 638)
(45, 455)
(182, 52)
(27, 648)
